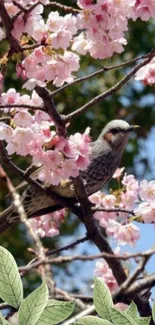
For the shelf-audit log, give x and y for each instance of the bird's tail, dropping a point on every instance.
(10, 217)
(36, 204)
(7, 218)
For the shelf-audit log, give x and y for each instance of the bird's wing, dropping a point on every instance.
(65, 188)
(34, 176)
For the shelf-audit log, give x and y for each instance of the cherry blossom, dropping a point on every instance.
(48, 225)
(147, 190)
(23, 118)
(145, 9)
(11, 97)
(103, 271)
(147, 73)
(85, 4)
(123, 234)
(55, 21)
(6, 132)
(80, 44)
(146, 210)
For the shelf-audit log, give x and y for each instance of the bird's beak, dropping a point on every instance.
(133, 127)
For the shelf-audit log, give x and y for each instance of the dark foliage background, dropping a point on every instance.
(134, 103)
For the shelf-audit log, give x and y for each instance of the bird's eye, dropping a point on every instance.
(115, 131)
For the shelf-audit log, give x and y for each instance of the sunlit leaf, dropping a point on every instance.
(121, 318)
(143, 320)
(102, 299)
(11, 288)
(55, 312)
(132, 310)
(32, 307)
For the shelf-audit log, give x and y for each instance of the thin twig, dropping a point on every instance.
(58, 250)
(100, 71)
(117, 210)
(8, 23)
(50, 108)
(22, 106)
(15, 196)
(66, 259)
(87, 299)
(21, 212)
(112, 90)
(140, 285)
(88, 311)
(17, 4)
(133, 276)
(68, 9)
(66, 247)
(68, 297)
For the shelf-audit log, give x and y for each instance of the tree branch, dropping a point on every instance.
(51, 110)
(7, 21)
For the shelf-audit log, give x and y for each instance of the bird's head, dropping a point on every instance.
(116, 133)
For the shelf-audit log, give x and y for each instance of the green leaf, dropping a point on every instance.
(11, 288)
(3, 321)
(92, 320)
(153, 311)
(32, 307)
(121, 318)
(102, 299)
(55, 312)
(132, 310)
(143, 320)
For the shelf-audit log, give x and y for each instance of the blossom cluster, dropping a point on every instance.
(48, 225)
(34, 135)
(98, 29)
(132, 196)
(105, 23)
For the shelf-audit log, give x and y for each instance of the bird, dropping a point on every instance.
(105, 157)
